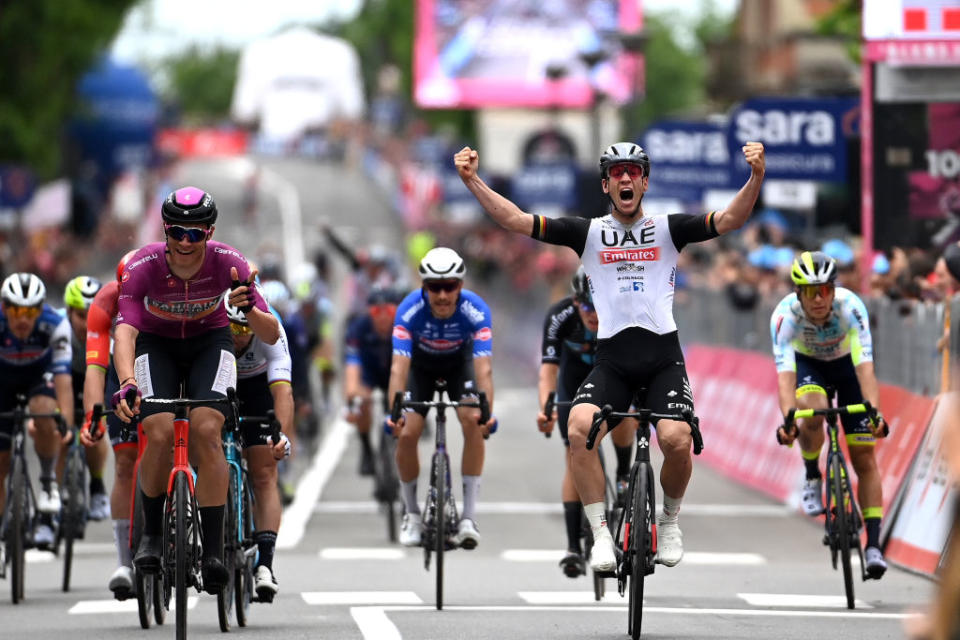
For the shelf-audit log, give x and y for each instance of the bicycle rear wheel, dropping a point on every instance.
(440, 537)
(842, 525)
(183, 555)
(143, 583)
(639, 541)
(231, 546)
(161, 597)
(74, 508)
(17, 528)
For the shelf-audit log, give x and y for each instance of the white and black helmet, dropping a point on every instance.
(23, 290)
(442, 263)
(624, 153)
(233, 313)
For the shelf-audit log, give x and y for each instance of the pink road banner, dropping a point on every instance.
(735, 393)
(498, 53)
(203, 142)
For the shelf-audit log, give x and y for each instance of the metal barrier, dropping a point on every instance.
(905, 333)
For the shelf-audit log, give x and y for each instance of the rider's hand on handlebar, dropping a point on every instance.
(490, 426)
(119, 402)
(545, 424)
(90, 434)
(281, 450)
(394, 428)
(788, 431)
(879, 425)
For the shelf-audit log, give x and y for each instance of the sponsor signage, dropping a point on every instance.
(546, 186)
(687, 159)
(804, 139)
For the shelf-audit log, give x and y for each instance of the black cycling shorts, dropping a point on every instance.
(204, 366)
(255, 400)
(457, 371)
(571, 375)
(638, 360)
(841, 376)
(30, 382)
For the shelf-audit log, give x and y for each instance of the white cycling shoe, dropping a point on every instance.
(468, 537)
(875, 564)
(99, 506)
(603, 559)
(265, 584)
(669, 542)
(811, 497)
(121, 583)
(48, 500)
(411, 530)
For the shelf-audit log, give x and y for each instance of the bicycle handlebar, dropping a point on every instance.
(23, 412)
(270, 418)
(399, 404)
(645, 415)
(789, 424)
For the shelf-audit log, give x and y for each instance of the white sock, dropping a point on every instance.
(597, 518)
(409, 491)
(121, 538)
(471, 489)
(671, 508)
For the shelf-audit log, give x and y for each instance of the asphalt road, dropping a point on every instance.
(752, 567)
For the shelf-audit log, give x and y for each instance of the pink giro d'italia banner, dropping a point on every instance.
(735, 394)
(496, 53)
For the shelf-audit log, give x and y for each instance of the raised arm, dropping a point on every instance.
(737, 212)
(503, 211)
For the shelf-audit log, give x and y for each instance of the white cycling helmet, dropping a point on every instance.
(276, 294)
(23, 290)
(233, 313)
(442, 263)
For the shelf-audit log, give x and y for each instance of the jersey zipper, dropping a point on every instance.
(186, 302)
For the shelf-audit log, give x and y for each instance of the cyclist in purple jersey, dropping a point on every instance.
(631, 261)
(172, 339)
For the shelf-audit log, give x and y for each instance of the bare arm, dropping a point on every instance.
(353, 380)
(483, 369)
(93, 386)
(547, 382)
(787, 390)
(63, 385)
(738, 211)
(399, 368)
(503, 211)
(124, 353)
(869, 386)
(265, 325)
(283, 408)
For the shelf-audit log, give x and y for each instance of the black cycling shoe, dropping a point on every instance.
(215, 575)
(573, 565)
(149, 553)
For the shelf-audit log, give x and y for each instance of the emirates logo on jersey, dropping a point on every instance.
(610, 256)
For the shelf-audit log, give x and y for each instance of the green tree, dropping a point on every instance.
(844, 20)
(46, 46)
(200, 82)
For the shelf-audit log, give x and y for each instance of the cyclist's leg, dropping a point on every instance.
(861, 444)
(569, 379)
(623, 437)
(811, 394)
(363, 424)
(48, 444)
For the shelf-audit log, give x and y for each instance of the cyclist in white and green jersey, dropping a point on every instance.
(821, 339)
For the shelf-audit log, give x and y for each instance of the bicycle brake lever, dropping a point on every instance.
(598, 419)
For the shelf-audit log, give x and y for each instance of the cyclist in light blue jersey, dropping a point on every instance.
(821, 339)
(442, 331)
(35, 357)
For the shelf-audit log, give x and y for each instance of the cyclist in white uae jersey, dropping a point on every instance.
(821, 340)
(630, 260)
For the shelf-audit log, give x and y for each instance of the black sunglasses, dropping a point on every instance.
(192, 234)
(436, 286)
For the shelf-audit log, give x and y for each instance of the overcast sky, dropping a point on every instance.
(159, 27)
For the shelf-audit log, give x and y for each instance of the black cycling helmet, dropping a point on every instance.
(624, 153)
(581, 286)
(189, 205)
(813, 267)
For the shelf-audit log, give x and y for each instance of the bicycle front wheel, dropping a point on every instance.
(74, 508)
(639, 542)
(440, 538)
(182, 550)
(243, 572)
(843, 524)
(231, 545)
(17, 528)
(387, 485)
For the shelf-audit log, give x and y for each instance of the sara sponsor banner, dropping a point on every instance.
(804, 138)
(735, 395)
(546, 188)
(497, 53)
(688, 158)
(916, 159)
(923, 522)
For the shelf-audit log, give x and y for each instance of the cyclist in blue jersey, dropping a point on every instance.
(35, 356)
(442, 331)
(368, 353)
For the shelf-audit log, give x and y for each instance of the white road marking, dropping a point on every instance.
(374, 623)
(360, 597)
(362, 553)
(570, 597)
(84, 607)
(798, 600)
(37, 556)
(689, 557)
(295, 516)
(713, 510)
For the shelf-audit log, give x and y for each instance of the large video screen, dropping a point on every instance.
(482, 53)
